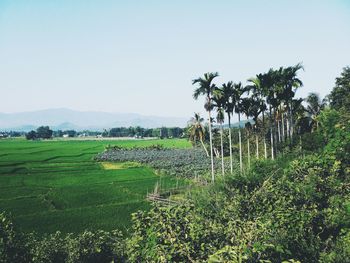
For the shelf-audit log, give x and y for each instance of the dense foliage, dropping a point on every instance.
(339, 97)
(42, 132)
(97, 246)
(280, 210)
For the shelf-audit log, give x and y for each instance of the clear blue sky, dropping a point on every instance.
(140, 56)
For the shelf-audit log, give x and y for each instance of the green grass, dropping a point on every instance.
(56, 185)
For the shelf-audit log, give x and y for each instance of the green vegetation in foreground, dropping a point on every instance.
(56, 185)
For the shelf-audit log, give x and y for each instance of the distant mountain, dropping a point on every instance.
(66, 119)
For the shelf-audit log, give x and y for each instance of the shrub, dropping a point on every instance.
(312, 142)
(99, 246)
(13, 246)
(51, 248)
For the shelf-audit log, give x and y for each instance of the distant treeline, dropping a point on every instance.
(163, 132)
(6, 134)
(44, 132)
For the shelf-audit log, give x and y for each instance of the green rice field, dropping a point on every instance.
(56, 185)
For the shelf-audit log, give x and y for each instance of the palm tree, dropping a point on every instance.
(259, 88)
(279, 88)
(298, 111)
(291, 84)
(258, 106)
(197, 130)
(314, 107)
(282, 112)
(206, 88)
(228, 92)
(271, 99)
(219, 103)
(246, 109)
(237, 98)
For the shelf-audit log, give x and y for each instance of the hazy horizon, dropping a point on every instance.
(97, 111)
(140, 57)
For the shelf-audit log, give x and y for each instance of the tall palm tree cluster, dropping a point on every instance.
(268, 100)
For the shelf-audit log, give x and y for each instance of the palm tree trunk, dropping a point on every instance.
(291, 122)
(271, 139)
(279, 131)
(230, 140)
(275, 131)
(271, 134)
(248, 146)
(257, 146)
(264, 135)
(283, 134)
(240, 143)
(288, 127)
(222, 150)
(205, 148)
(211, 147)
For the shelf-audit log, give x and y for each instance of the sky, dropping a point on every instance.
(141, 56)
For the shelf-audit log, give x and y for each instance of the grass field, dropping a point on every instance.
(56, 185)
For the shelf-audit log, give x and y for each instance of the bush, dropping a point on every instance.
(13, 246)
(99, 246)
(339, 250)
(52, 248)
(312, 142)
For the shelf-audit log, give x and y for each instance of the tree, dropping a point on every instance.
(139, 131)
(58, 133)
(31, 135)
(291, 83)
(131, 131)
(219, 103)
(314, 107)
(44, 132)
(71, 133)
(271, 79)
(239, 90)
(105, 133)
(298, 112)
(340, 95)
(259, 89)
(163, 132)
(197, 131)
(175, 132)
(258, 106)
(246, 109)
(229, 104)
(206, 88)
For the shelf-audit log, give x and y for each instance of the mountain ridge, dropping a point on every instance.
(63, 118)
